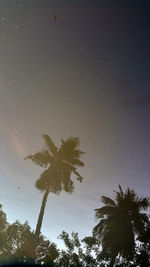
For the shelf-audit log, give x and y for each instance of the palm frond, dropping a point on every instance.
(42, 158)
(119, 199)
(68, 149)
(99, 228)
(43, 182)
(77, 162)
(105, 210)
(48, 179)
(68, 185)
(77, 153)
(108, 201)
(71, 168)
(72, 143)
(121, 191)
(79, 177)
(143, 203)
(50, 144)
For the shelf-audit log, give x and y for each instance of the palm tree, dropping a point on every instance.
(60, 163)
(122, 222)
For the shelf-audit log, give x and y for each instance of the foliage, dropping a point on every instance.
(78, 253)
(142, 256)
(18, 244)
(122, 223)
(60, 163)
(123, 226)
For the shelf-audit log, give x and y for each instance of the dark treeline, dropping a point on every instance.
(120, 238)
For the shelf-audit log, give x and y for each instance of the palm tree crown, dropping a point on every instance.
(60, 163)
(121, 223)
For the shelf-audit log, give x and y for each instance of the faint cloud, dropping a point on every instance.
(18, 147)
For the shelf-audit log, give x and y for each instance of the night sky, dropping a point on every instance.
(85, 74)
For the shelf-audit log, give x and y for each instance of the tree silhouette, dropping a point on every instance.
(19, 242)
(78, 253)
(142, 257)
(19, 246)
(60, 163)
(122, 222)
(3, 234)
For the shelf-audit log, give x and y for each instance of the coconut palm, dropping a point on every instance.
(60, 163)
(122, 222)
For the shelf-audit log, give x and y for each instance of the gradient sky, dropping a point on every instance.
(85, 74)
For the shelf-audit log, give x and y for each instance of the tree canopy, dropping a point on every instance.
(122, 223)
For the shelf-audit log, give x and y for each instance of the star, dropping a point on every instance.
(16, 27)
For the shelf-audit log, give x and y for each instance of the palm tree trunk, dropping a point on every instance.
(40, 219)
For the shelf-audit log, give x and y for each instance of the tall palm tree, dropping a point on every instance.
(122, 222)
(60, 163)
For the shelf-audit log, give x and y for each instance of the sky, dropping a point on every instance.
(84, 74)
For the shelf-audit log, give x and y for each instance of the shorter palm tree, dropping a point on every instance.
(122, 222)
